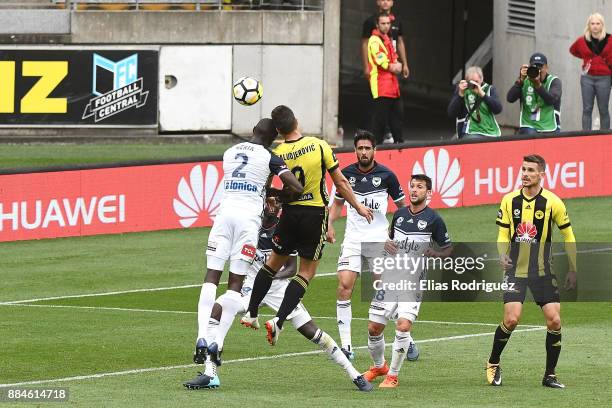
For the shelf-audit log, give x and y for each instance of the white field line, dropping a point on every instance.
(123, 309)
(239, 360)
(120, 292)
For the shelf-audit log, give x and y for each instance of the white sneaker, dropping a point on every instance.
(273, 331)
(250, 322)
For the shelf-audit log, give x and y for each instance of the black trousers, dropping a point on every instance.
(388, 112)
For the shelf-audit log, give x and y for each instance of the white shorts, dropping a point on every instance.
(233, 237)
(382, 312)
(352, 259)
(299, 316)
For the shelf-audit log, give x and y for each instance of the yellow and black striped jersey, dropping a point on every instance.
(526, 223)
(309, 158)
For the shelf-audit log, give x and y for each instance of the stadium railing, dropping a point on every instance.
(118, 5)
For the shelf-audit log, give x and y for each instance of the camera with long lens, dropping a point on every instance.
(471, 85)
(533, 71)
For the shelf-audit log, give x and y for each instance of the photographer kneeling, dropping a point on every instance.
(475, 103)
(540, 96)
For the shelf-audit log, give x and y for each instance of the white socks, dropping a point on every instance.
(399, 350)
(231, 302)
(344, 314)
(331, 348)
(376, 347)
(205, 305)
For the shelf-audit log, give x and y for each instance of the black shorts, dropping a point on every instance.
(544, 289)
(301, 228)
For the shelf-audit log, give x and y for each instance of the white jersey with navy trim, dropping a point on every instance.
(372, 189)
(413, 229)
(246, 169)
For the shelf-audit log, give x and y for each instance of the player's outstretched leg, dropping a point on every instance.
(344, 312)
(413, 351)
(398, 354)
(293, 295)
(209, 378)
(376, 347)
(205, 306)
(553, 344)
(324, 340)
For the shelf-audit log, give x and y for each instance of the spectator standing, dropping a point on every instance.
(384, 86)
(477, 103)
(595, 50)
(396, 34)
(540, 97)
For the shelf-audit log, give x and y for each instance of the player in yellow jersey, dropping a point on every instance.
(303, 223)
(525, 220)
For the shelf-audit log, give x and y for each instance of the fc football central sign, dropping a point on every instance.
(78, 87)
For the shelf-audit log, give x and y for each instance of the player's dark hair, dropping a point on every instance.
(284, 119)
(364, 135)
(381, 14)
(536, 158)
(422, 177)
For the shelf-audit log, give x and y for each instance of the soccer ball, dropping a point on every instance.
(247, 91)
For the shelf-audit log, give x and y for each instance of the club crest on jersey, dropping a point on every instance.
(352, 181)
(539, 214)
(421, 224)
(400, 220)
(376, 181)
(517, 213)
(526, 232)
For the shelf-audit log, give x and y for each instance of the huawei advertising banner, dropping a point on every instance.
(187, 195)
(78, 87)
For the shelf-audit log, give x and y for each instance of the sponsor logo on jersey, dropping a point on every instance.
(364, 180)
(422, 224)
(371, 203)
(376, 181)
(411, 221)
(248, 251)
(240, 186)
(198, 195)
(526, 232)
(445, 175)
(539, 214)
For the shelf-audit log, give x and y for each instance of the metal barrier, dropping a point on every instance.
(118, 5)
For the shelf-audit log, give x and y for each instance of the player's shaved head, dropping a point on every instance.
(265, 131)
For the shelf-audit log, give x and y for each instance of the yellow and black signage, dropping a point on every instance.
(78, 87)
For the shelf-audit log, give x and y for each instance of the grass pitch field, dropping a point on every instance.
(113, 318)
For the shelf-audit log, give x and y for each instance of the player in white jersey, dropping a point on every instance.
(413, 230)
(247, 168)
(372, 183)
(225, 309)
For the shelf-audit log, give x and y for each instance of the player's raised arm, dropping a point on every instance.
(344, 189)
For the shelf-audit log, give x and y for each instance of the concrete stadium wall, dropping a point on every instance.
(294, 54)
(557, 25)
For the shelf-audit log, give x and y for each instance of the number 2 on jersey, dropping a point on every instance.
(245, 160)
